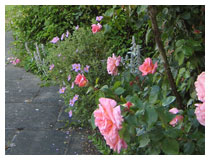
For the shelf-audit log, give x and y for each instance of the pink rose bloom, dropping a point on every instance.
(177, 119)
(80, 80)
(109, 120)
(96, 28)
(148, 67)
(174, 110)
(17, 61)
(200, 113)
(200, 87)
(54, 40)
(112, 63)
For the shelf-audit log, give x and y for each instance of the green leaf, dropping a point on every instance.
(189, 148)
(89, 90)
(107, 28)
(109, 12)
(131, 119)
(188, 51)
(116, 85)
(151, 115)
(164, 116)
(165, 11)
(93, 121)
(97, 79)
(170, 146)
(141, 9)
(168, 100)
(148, 35)
(180, 57)
(154, 94)
(119, 91)
(144, 141)
(180, 42)
(104, 88)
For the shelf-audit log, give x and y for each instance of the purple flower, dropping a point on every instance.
(77, 27)
(73, 66)
(62, 90)
(59, 55)
(86, 69)
(62, 36)
(67, 34)
(72, 85)
(99, 18)
(77, 50)
(52, 66)
(71, 102)
(76, 67)
(54, 40)
(70, 113)
(69, 77)
(75, 97)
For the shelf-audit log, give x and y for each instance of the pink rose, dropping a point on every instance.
(200, 87)
(174, 110)
(148, 67)
(109, 120)
(112, 63)
(200, 113)
(177, 119)
(96, 27)
(80, 80)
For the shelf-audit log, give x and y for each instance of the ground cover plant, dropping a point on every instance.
(136, 74)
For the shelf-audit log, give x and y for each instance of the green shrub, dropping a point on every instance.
(84, 48)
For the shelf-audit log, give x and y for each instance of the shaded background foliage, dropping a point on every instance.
(183, 35)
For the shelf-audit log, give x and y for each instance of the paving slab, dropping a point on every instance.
(39, 142)
(30, 115)
(13, 73)
(23, 86)
(14, 97)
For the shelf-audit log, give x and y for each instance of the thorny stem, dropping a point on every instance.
(152, 14)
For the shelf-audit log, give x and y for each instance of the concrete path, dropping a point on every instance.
(35, 116)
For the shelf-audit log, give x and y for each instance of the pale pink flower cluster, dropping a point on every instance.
(13, 60)
(112, 64)
(109, 120)
(176, 119)
(200, 89)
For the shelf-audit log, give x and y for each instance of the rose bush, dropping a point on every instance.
(155, 123)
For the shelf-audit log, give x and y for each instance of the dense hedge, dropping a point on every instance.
(146, 117)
